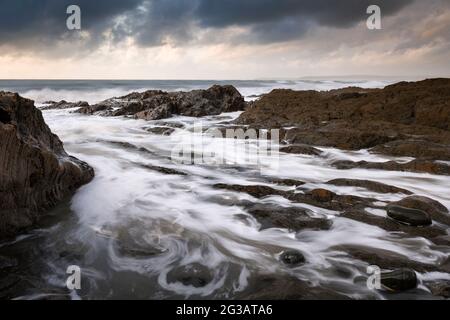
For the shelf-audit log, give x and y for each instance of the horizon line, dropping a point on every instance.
(365, 77)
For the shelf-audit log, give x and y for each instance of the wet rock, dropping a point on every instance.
(328, 200)
(435, 209)
(292, 258)
(129, 146)
(170, 124)
(322, 195)
(414, 148)
(163, 170)
(440, 289)
(423, 166)
(89, 110)
(340, 135)
(253, 190)
(399, 280)
(384, 259)
(158, 112)
(36, 171)
(52, 105)
(291, 218)
(287, 182)
(301, 149)
(442, 240)
(369, 185)
(195, 274)
(319, 197)
(429, 232)
(157, 105)
(412, 217)
(163, 131)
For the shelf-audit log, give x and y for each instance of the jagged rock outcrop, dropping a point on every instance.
(63, 104)
(156, 105)
(35, 171)
(405, 119)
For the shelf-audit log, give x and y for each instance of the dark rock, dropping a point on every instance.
(440, 289)
(384, 259)
(253, 190)
(163, 131)
(319, 197)
(436, 210)
(129, 146)
(170, 124)
(291, 218)
(292, 258)
(194, 274)
(412, 217)
(369, 185)
(421, 103)
(414, 148)
(423, 166)
(157, 105)
(399, 280)
(95, 109)
(391, 120)
(301, 149)
(65, 105)
(429, 232)
(341, 135)
(442, 240)
(163, 170)
(322, 195)
(36, 171)
(323, 198)
(287, 182)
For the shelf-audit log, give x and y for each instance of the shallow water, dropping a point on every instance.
(132, 227)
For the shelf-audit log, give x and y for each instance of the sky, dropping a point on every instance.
(223, 39)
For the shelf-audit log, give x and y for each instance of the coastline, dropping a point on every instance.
(330, 185)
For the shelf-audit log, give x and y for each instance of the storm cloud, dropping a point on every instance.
(30, 23)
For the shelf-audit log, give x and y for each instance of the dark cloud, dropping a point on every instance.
(342, 13)
(152, 22)
(32, 21)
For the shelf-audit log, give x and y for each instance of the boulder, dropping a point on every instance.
(412, 217)
(36, 173)
(292, 258)
(433, 208)
(399, 280)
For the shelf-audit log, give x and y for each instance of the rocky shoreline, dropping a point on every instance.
(409, 122)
